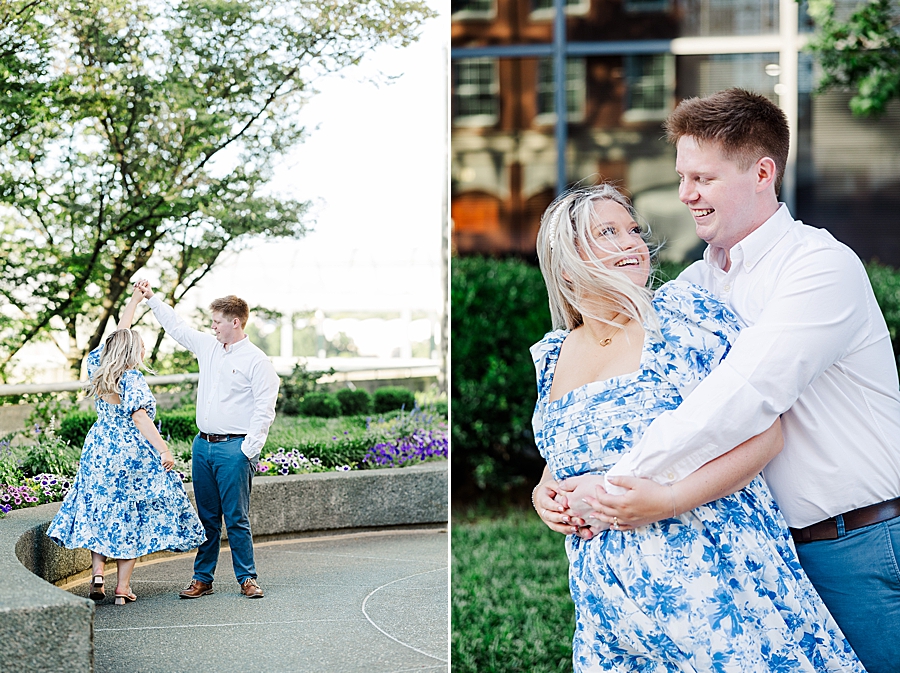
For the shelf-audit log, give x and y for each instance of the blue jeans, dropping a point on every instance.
(858, 577)
(222, 477)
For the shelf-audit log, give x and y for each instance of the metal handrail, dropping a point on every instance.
(68, 386)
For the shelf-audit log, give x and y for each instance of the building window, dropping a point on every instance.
(544, 9)
(636, 6)
(473, 9)
(650, 86)
(475, 92)
(704, 75)
(546, 90)
(701, 18)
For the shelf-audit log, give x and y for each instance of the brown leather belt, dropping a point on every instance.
(858, 518)
(214, 439)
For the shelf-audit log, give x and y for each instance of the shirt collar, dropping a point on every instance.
(237, 345)
(753, 247)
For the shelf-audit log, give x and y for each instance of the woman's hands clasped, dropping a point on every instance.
(581, 506)
(643, 502)
(553, 512)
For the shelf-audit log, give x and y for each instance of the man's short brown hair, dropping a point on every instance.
(232, 307)
(746, 125)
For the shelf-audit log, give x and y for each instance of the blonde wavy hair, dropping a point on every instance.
(578, 283)
(121, 352)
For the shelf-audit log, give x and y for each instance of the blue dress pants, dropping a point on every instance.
(222, 477)
(858, 577)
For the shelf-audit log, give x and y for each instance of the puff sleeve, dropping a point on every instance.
(697, 332)
(135, 393)
(93, 360)
(544, 355)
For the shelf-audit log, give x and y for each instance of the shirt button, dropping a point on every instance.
(728, 288)
(671, 475)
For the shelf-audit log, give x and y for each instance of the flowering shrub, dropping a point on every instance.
(417, 447)
(53, 487)
(36, 490)
(289, 462)
(15, 497)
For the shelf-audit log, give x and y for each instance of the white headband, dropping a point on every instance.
(554, 221)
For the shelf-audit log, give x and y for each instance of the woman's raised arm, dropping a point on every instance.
(127, 316)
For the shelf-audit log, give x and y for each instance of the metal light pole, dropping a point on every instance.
(559, 82)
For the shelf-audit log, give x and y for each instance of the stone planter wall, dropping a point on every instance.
(43, 628)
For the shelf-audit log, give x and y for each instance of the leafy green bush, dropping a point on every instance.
(295, 387)
(499, 310)
(74, 427)
(324, 405)
(180, 424)
(391, 398)
(51, 454)
(354, 402)
(10, 469)
(886, 286)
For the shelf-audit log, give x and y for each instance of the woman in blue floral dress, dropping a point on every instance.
(125, 501)
(716, 587)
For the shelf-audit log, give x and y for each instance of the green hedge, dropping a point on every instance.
(499, 310)
(324, 405)
(392, 398)
(173, 424)
(886, 285)
(354, 402)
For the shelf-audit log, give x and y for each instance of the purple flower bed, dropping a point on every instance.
(53, 487)
(36, 490)
(416, 447)
(288, 462)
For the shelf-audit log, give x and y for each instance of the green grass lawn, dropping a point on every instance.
(511, 609)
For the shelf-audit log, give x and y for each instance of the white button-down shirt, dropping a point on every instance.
(238, 384)
(815, 349)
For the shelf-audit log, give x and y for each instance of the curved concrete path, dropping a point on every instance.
(372, 602)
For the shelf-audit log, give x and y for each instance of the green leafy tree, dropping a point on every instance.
(172, 118)
(24, 56)
(861, 53)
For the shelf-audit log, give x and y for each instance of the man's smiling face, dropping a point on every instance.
(720, 194)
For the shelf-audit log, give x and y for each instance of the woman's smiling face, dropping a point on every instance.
(616, 241)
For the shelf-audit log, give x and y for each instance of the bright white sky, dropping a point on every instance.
(374, 168)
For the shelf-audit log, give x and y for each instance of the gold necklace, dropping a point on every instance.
(606, 341)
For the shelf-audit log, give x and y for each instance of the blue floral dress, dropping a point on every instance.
(718, 588)
(123, 504)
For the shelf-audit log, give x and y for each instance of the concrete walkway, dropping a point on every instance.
(372, 602)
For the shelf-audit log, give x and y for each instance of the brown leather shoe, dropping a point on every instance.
(196, 589)
(251, 589)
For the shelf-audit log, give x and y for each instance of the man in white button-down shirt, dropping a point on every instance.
(815, 350)
(235, 407)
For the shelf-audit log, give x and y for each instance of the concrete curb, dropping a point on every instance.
(43, 628)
